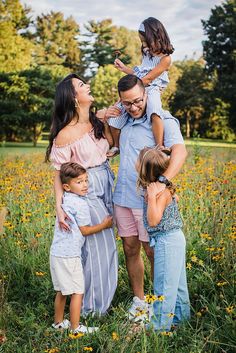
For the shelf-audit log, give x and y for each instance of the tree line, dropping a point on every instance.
(36, 54)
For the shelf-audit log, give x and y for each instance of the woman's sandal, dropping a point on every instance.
(113, 152)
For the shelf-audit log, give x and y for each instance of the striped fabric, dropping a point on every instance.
(99, 253)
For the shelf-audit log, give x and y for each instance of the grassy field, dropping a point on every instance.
(207, 191)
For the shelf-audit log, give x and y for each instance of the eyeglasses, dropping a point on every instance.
(137, 102)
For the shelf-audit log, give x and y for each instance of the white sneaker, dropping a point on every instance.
(138, 310)
(65, 324)
(83, 329)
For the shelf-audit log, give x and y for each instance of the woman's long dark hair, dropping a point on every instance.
(156, 37)
(65, 111)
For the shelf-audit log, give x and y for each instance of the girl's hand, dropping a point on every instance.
(113, 111)
(119, 65)
(62, 218)
(154, 190)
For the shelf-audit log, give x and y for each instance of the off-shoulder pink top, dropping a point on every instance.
(86, 151)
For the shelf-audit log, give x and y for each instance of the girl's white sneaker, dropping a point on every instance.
(83, 329)
(65, 324)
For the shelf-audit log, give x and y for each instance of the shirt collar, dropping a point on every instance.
(137, 121)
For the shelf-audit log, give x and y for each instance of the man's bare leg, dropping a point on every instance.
(134, 265)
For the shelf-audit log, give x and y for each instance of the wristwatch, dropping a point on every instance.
(164, 180)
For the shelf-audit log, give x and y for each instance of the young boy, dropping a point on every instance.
(65, 253)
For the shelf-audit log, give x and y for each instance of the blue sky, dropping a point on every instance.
(181, 18)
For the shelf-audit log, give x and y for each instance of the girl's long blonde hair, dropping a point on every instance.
(152, 163)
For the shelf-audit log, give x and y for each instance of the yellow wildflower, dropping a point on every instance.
(194, 258)
(160, 298)
(166, 333)
(189, 266)
(171, 315)
(40, 273)
(115, 336)
(229, 309)
(75, 336)
(221, 283)
(88, 349)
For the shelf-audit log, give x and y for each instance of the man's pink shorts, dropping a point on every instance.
(129, 222)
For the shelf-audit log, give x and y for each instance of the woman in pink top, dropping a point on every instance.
(77, 135)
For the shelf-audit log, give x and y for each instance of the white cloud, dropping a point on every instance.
(182, 18)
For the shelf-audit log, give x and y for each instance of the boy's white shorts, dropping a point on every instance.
(67, 275)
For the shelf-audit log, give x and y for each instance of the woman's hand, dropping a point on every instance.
(62, 218)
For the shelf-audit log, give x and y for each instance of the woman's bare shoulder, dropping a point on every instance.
(63, 137)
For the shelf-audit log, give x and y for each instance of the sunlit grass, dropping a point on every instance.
(207, 203)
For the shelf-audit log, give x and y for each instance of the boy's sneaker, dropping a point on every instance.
(83, 329)
(138, 310)
(65, 324)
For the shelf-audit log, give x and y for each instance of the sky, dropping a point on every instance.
(181, 18)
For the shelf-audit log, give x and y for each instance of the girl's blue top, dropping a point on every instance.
(171, 220)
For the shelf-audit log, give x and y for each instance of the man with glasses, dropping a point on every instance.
(128, 210)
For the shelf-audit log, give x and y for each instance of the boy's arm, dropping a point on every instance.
(88, 230)
(158, 70)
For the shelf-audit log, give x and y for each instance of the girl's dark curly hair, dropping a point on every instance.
(156, 37)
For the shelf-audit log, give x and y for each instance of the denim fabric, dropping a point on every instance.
(170, 281)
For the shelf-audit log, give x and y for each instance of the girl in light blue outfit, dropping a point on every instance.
(156, 49)
(163, 223)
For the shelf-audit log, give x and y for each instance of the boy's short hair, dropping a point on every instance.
(127, 82)
(69, 171)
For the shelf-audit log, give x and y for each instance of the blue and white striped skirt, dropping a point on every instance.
(99, 252)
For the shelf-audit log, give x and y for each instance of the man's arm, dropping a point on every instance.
(177, 159)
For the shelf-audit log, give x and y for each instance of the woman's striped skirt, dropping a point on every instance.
(99, 252)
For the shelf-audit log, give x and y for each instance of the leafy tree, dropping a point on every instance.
(104, 86)
(218, 122)
(128, 42)
(15, 49)
(189, 100)
(26, 103)
(168, 94)
(100, 49)
(220, 52)
(57, 42)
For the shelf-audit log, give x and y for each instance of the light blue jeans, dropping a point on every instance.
(170, 282)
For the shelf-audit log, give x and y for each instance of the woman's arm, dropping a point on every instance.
(58, 191)
(158, 70)
(108, 134)
(156, 204)
(102, 115)
(88, 230)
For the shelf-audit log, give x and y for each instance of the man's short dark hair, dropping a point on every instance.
(129, 81)
(69, 171)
